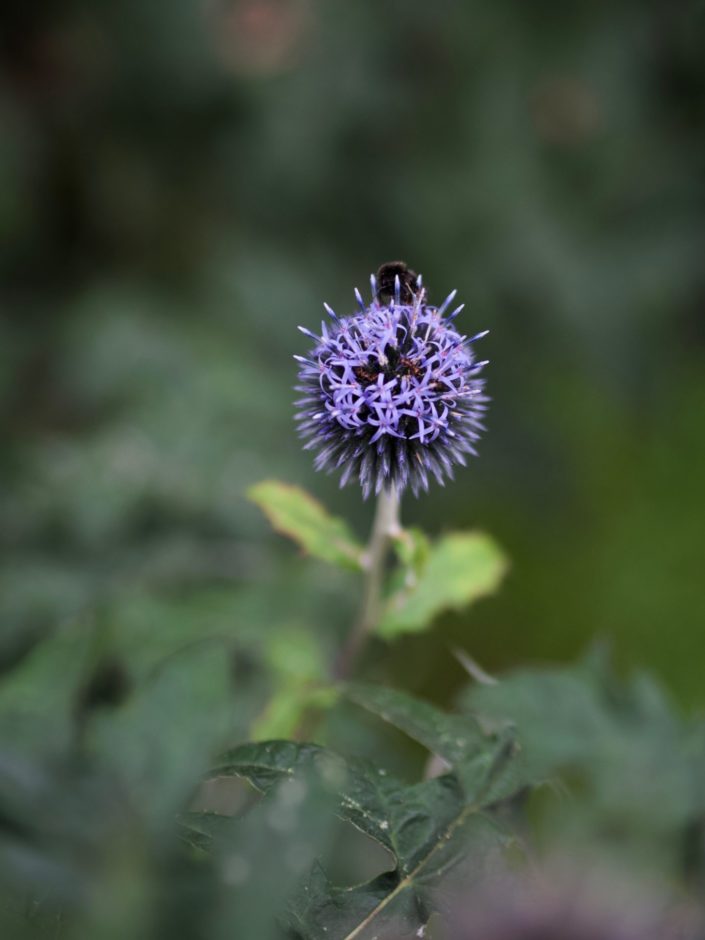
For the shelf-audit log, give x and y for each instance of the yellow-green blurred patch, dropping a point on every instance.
(458, 569)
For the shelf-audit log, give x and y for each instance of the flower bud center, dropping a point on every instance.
(395, 366)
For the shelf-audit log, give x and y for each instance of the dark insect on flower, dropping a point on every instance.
(391, 395)
(387, 275)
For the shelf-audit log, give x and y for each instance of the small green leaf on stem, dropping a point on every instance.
(412, 547)
(300, 685)
(287, 709)
(460, 568)
(295, 513)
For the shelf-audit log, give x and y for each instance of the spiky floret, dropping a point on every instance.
(391, 395)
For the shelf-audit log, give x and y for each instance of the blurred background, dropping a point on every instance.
(183, 182)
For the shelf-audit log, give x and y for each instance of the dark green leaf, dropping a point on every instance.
(392, 907)
(267, 763)
(484, 763)
(363, 792)
(431, 829)
(624, 740)
(263, 856)
(451, 737)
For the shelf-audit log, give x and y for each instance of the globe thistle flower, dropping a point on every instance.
(391, 395)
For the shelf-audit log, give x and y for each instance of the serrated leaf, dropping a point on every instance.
(460, 568)
(267, 763)
(483, 763)
(323, 911)
(405, 819)
(431, 829)
(295, 513)
(452, 737)
(363, 791)
(622, 739)
(264, 853)
(391, 907)
(197, 829)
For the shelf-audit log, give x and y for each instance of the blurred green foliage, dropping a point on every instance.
(116, 815)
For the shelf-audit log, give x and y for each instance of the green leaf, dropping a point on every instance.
(295, 653)
(362, 790)
(484, 763)
(264, 854)
(431, 830)
(460, 568)
(622, 740)
(298, 670)
(412, 547)
(322, 911)
(288, 707)
(198, 829)
(267, 763)
(293, 512)
(452, 737)
(395, 906)
(401, 817)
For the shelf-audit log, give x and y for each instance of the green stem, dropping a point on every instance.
(384, 528)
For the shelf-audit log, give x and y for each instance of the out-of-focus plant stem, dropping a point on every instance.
(385, 526)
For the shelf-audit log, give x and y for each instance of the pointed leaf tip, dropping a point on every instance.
(295, 513)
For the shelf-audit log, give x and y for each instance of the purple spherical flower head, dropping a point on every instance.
(391, 395)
